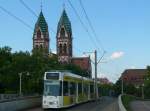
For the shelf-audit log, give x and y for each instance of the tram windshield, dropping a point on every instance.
(52, 88)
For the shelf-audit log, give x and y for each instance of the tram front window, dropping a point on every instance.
(52, 88)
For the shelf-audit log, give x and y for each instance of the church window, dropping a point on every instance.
(70, 49)
(38, 34)
(36, 46)
(60, 48)
(62, 32)
(65, 49)
(41, 46)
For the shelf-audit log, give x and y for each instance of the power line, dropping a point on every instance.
(73, 46)
(30, 10)
(41, 5)
(90, 24)
(78, 50)
(26, 6)
(86, 29)
(15, 17)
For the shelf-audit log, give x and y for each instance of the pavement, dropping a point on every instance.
(104, 104)
(140, 105)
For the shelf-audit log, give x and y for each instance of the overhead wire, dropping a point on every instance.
(90, 24)
(30, 10)
(77, 49)
(15, 17)
(23, 22)
(83, 25)
(27, 7)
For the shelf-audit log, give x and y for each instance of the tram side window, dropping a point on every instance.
(91, 89)
(86, 88)
(79, 88)
(99, 90)
(65, 88)
(72, 88)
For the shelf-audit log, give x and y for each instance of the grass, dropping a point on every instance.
(126, 99)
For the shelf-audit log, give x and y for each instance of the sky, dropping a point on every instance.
(122, 26)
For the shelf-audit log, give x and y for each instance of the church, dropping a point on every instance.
(64, 41)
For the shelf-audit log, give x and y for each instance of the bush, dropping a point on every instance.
(126, 100)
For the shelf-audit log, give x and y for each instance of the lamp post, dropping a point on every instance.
(20, 81)
(143, 91)
(96, 62)
(122, 86)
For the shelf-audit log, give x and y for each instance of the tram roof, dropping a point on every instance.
(70, 74)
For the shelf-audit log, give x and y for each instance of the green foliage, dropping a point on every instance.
(117, 87)
(11, 64)
(126, 99)
(127, 88)
(147, 83)
(107, 89)
(130, 89)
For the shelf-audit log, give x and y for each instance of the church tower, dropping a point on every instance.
(41, 34)
(64, 39)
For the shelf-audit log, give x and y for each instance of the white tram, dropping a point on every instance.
(63, 89)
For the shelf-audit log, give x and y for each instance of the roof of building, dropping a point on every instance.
(64, 21)
(83, 62)
(41, 22)
(104, 80)
(134, 76)
(134, 72)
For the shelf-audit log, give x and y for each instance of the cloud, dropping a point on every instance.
(92, 56)
(117, 55)
(54, 52)
(133, 67)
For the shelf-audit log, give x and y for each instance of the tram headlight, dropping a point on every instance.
(55, 102)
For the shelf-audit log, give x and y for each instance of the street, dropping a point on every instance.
(140, 105)
(104, 104)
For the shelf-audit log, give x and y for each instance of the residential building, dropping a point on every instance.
(134, 76)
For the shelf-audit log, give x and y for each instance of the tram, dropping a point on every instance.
(64, 89)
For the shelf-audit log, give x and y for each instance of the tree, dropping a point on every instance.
(147, 83)
(127, 88)
(11, 64)
(5, 66)
(117, 87)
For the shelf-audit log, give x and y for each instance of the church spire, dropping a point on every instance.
(41, 34)
(64, 21)
(64, 5)
(42, 24)
(64, 39)
(41, 5)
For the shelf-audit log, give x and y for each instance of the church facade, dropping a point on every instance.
(63, 41)
(41, 34)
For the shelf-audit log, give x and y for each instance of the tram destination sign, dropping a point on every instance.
(52, 75)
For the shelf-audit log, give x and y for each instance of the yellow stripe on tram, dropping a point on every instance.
(67, 100)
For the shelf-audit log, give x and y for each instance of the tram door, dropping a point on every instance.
(73, 92)
(77, 92)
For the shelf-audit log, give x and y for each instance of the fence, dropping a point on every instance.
(19, 103)
(9, 97)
